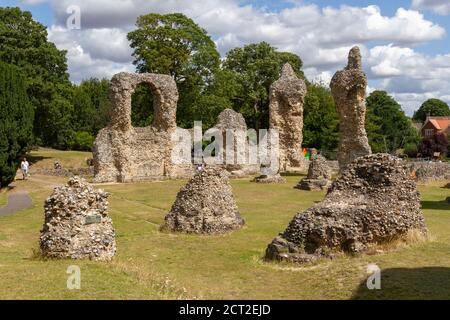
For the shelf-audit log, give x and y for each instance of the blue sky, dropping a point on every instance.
(405, 51)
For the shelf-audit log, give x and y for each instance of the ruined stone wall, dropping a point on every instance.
(123, 153)
(431, 171)
(348, 88)
(287, 96)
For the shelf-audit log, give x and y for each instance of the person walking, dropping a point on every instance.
(24, 166)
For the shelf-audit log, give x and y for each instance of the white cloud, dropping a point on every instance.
(87, 52)
(321, 36)
(412, 77)
(441, 7)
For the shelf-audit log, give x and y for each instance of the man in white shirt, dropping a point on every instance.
(24, 166)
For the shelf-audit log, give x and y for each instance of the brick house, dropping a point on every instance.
(434, 125)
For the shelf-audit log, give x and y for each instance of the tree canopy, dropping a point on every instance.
(16, 121)
(23, 42)
(320, 120)
(174, 44)
(433, 108)
(256, 67)
(387, 126)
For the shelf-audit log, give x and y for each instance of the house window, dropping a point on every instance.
(429, 132)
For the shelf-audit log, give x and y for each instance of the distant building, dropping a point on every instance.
(433, 125)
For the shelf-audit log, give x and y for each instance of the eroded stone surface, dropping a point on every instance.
(374, 201)
(238, 164)
(287, 96)
(270, 178)
(431, 171)
(123, 153)
(77, 225)
(319, 175)
(348, 88)
(205, 205)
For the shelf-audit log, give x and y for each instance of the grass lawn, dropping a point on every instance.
(154, 265)
(3, 197)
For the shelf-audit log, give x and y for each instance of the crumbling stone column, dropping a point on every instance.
(230, 120)
(348, 88)
(287, 96)
(77, 225)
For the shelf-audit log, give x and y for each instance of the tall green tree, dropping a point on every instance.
(174, 44)
(320, 120)
(23, 42)
(16, 121)
(256, 67)
(387, 125)
(91, 105)
(432, 107)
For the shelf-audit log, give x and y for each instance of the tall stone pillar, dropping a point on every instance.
(287, 96)
(348, 88)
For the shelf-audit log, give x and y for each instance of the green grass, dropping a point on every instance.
(3, 197)
(155, 265)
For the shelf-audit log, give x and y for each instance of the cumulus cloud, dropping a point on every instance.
(441, 7)
(412, 77)
(321, 36)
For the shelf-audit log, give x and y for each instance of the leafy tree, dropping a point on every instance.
(83, 141)
(320, 120)
(91, 106)
(387, 125)
(173, 44)
(256, 67)
(23, 42)
(16, 121)
(432, 107)
(142, 106)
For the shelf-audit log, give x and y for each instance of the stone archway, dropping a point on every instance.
(124, 153)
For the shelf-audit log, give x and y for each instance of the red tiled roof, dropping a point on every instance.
(440, 123)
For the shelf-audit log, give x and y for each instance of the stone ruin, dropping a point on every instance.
(229, 119)
(77, 225)
(375, 201)
(319, 175)
(123, 153)
(348, 88)
(426, 171)
(205, 205)
(269, 178)
(287, 96)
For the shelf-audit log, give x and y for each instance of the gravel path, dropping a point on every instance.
(18, 199)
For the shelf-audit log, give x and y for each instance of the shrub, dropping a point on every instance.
(83, 141)
(411, 150)
(16, 122)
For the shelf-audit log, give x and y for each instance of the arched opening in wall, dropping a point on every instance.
(142, 113)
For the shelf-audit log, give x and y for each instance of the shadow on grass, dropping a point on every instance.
(429, 283)
(292, 174)
(34, 159)
(435, 205)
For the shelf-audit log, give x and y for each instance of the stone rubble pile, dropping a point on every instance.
(319, 175)
(374, 201)
(205, 205)
(76, 224)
